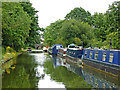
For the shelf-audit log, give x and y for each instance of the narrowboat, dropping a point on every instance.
(45, 49)
(74, 53)
(62, 52)
(107, 61)
(54, 49)
(29, 49)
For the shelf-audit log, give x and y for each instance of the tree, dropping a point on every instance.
(34, 36)
(75, 28)
(53, 33)
(15, 25)
(107, 26)
(113, 15)
(93, 30)
(79, 14)
(77, 41)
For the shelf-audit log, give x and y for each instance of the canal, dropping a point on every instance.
(40, 70)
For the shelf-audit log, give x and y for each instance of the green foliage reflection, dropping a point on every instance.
(61, 74)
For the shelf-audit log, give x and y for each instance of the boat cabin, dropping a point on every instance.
(106, 56)
(55, 48)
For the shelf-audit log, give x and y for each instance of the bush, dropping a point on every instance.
(3, 50)
(9, 49)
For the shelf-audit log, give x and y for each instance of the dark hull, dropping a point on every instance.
(73, 60)
(45, 50)
(110, 69)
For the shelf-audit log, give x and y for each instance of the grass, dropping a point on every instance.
(8, 54)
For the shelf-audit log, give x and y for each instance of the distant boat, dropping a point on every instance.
(54, 49)
(62, 52)
(29, 49)
(45, 49)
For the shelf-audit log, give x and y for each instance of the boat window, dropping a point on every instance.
(96, 55)
(71, 46)
(91, 54)
(111, 57)
(85, 53)
(104, 57)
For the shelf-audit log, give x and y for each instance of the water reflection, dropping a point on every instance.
(95, 78)
(100, 80)
(45, 80)
(41, 71)
(23, 76)
(63, 72)
(57, 61)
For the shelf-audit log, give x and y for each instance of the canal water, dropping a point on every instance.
(39, 70)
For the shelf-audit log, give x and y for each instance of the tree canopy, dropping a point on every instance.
(34, 36)
(15, 25)
(79, 14)
(94, 30)
(68, 31)
(19, 25)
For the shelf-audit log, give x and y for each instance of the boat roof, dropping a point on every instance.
(58, 45)
(72, 44)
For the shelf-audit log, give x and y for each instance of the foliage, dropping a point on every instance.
(72, 28)
(8, 54)
(66, 32)
(77, 41)
(79, 14)
(113, 14)
(15, 25)
(98, 22)
(34, 36)
(107, 26)
(9, 49)
(3, 50)
(19, 25)
(52, 34)
(114, 40)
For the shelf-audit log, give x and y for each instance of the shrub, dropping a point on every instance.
(3, 50)
(9, 49)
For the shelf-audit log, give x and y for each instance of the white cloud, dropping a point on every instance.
(52, 10)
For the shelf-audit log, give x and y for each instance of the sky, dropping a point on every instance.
(53, 10)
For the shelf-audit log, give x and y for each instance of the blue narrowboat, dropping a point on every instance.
(54, 49)
(74, 53)
(105, 60)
